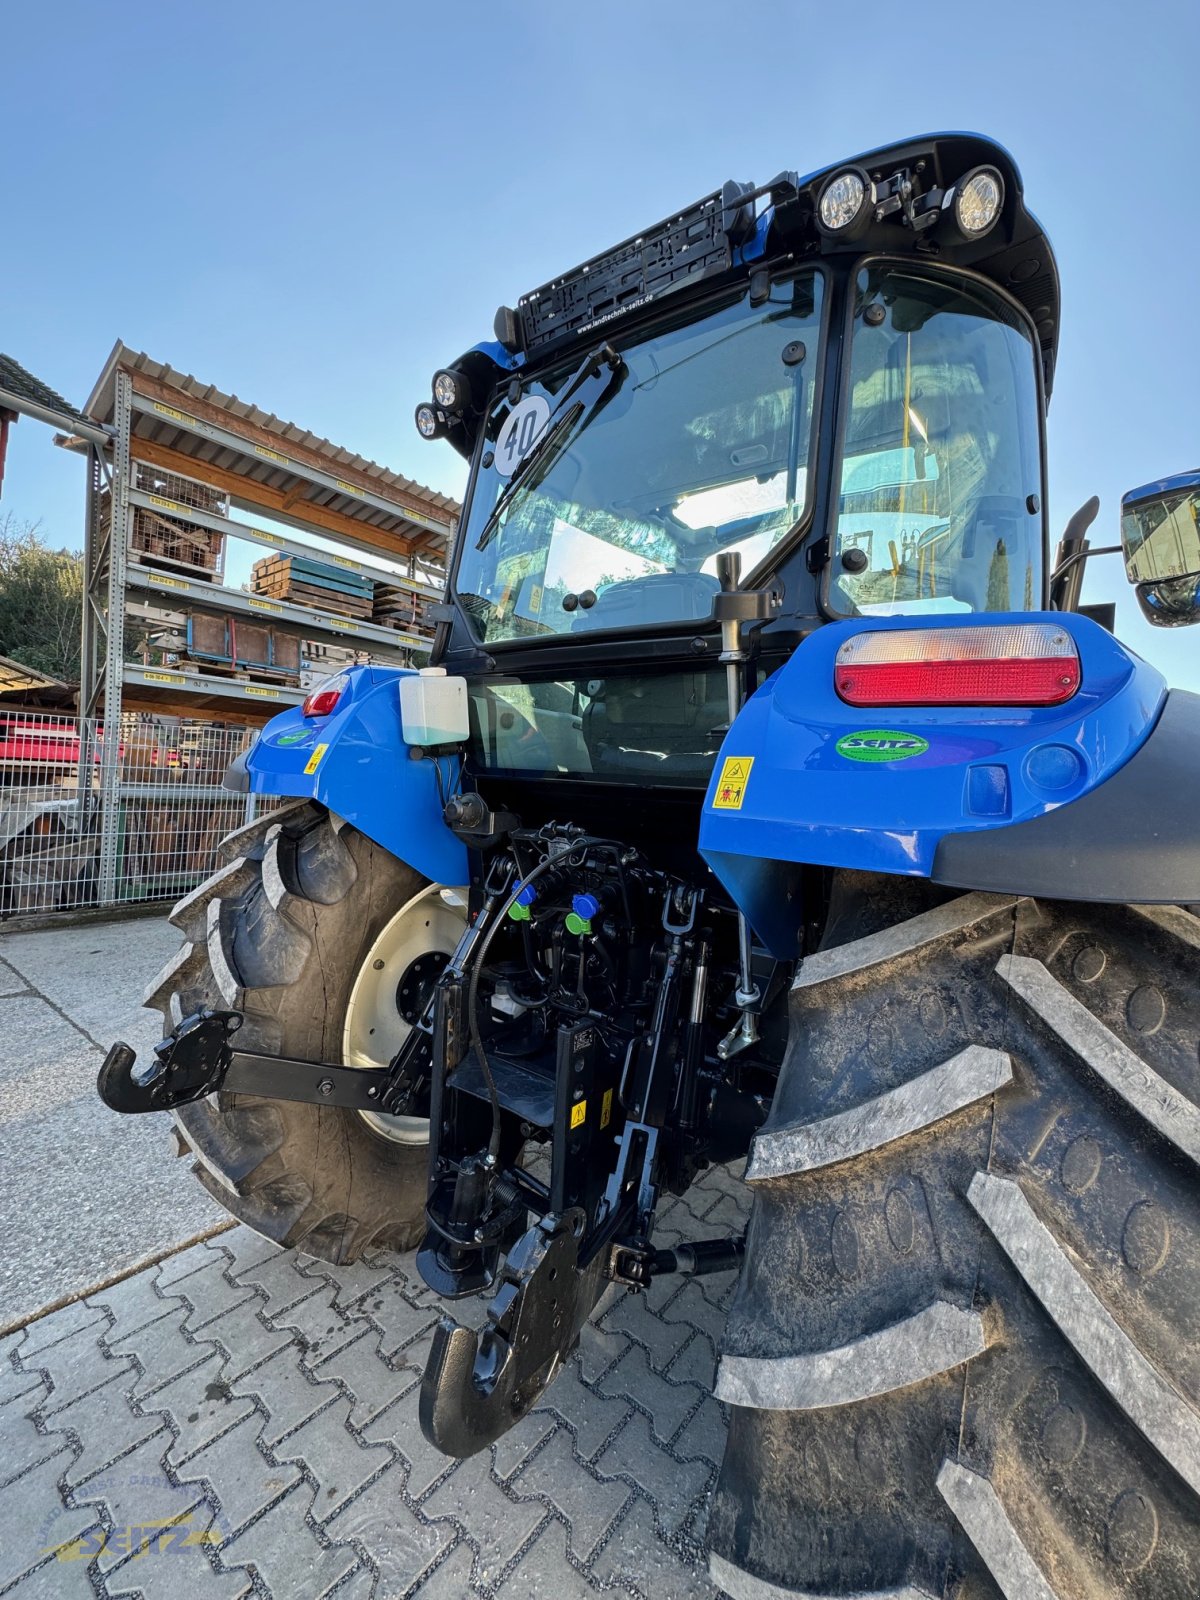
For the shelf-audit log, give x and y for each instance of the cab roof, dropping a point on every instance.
(913, 184)
(727, 234)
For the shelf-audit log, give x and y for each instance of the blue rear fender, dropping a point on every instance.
(356, 763)
(816, 781)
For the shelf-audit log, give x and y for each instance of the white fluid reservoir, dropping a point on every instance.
(433, 707)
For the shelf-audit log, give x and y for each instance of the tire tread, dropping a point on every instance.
(274, 934)
(1059, 1207)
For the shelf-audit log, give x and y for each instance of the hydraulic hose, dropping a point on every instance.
(479, 955)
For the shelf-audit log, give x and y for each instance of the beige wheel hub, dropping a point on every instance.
(431, 922)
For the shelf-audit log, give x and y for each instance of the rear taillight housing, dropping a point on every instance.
(325, 697)
(1005, 664)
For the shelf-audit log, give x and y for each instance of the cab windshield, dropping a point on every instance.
(941, 471)
(698, 444)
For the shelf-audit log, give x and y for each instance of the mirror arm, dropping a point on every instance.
(1064, 593)
(1082, 555)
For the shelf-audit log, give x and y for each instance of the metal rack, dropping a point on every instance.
(151, 416)
(307, 620)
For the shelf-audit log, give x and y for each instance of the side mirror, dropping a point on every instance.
(1160, 536)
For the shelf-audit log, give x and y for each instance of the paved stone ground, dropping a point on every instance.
(266, 1405)
(65, 995)
(238, 1420)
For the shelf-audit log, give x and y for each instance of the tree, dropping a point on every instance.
(41, 601)
(998, 592)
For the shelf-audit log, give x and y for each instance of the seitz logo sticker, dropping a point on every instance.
(731, 785)
(292, 737)
(881, 744)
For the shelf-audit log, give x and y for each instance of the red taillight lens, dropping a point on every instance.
(1020, 664)
(324, 700)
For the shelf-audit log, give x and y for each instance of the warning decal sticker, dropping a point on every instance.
(731, 786)
(314, 760)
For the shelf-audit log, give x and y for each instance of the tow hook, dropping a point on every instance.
(476, 1385)
(197, 1059)
(188, 1064)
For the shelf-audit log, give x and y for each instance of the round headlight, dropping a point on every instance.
(977, 201)
(451, 391)
(842, 201)
(428, 422)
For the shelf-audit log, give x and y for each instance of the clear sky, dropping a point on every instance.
(314, 205)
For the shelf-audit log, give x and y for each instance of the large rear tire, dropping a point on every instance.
(962, 1358)
(294, 933)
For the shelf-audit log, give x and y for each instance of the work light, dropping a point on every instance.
(451, 390)
(977, 201)
(844, 206)
(429, 423)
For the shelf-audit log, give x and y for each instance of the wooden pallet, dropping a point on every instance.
(229, 673)
(231, 641)
(398, 625)
(402, 615)
(300, 569)
(309, 583)
(275, 570)
(316, 599)
(162, 563)
(397, 607)
(156, 538)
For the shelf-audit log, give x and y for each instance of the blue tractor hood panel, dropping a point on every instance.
(804, 778)
(357, 763)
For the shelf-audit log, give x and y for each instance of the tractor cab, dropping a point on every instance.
(837, 382)
(841, 379)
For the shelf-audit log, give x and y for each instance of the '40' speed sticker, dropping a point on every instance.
(521, 431)
(881, 744)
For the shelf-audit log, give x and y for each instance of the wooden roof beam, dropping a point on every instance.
(269, 500)
(253, 434)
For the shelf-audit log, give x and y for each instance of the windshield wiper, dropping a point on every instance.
(553, 433)
(603, 363)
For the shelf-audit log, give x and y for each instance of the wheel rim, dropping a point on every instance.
(431, 923)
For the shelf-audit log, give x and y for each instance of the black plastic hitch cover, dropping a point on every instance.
(477, 1385)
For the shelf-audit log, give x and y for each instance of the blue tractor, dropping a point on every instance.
(771, 795)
